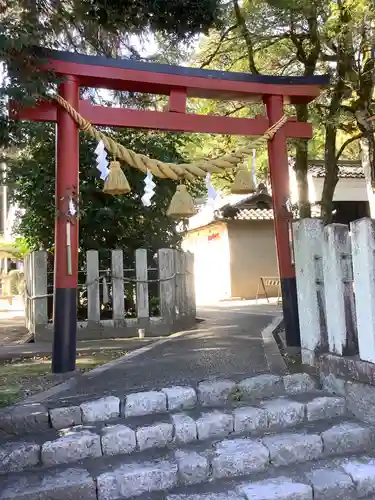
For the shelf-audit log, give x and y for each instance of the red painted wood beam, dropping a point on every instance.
(152, 82)
(167, 121)
(177, 101)
(43, 111)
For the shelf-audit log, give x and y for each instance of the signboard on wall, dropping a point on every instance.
(213, 236)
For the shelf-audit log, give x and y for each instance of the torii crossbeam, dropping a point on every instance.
(179, 83)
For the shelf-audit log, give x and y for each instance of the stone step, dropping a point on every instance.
(138, 434)
(149, 471)
(348, 478)
(31, 418)
(339, 479)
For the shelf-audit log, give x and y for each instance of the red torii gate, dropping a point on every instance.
(178, 83)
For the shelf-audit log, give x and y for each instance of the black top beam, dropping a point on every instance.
(131, 64)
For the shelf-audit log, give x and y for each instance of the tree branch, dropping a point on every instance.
(270, 43)
(218, 47)
(232, 111)
(287, 64)
(346, 143)
(301, 54)
(349, 109)
(235, 62)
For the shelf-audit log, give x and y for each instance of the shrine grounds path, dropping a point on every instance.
(235, 339)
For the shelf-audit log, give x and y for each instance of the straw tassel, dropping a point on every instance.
(243, 182)
(182, 204)
(116, 181)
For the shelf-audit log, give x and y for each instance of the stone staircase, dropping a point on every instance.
(261, 438)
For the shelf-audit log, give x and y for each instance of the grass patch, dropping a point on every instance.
(21, 378)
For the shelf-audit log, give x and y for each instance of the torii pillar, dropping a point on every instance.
(66, 233)
(279, 173)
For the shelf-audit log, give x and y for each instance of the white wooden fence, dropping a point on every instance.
(173, 277)
(335, 271)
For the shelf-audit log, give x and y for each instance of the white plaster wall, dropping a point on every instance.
(211, 263)
(346, 189)
(253, 254)
(293, 186)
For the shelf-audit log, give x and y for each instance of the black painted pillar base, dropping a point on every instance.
(290, 310)
(65, 330)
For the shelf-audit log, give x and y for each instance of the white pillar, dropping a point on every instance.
(308, 242)
(338, 289)
(36, 303)
(167, 285)
(142, 285)
(118, 295)
(363, 253)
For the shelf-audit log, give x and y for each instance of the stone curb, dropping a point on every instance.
(360, 397)
(349, 480)
(33, 417)
(275, 361)
(81, 442)
(228, 459)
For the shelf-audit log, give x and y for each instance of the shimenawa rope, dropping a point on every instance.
(160, 169)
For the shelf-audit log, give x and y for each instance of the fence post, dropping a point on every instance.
(184, 285)
(308, 242)
(363, 254)
(190, 289)
(28, 278)
(184, 306)
(93, 286)
(179, 284)
(36, 284)
(143, 312)
(338, 289)
(118, 298)
(167, 287)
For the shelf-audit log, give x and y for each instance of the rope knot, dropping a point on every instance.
(85, 126)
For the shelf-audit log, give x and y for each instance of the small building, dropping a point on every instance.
(350, 199)
(233, 245)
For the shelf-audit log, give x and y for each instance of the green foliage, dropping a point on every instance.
(296, 37)
(21, 246)
(90, 26)
(119, 16)
(93, 27)
(106, 222)
(13, 250)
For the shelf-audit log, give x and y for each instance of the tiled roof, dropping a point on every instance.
(347, 169)
(254, 214)
(229, 207)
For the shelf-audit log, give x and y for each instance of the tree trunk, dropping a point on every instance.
(367, 144)
(331, 174)
(241, 23)
(301, 167)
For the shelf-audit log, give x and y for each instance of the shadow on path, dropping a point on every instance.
(227, 344)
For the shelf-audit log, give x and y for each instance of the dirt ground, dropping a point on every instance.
(21, 378)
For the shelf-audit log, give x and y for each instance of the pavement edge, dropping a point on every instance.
(69, 384)
(275, 361)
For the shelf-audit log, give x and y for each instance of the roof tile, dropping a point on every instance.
(254, 214)
(347, 170)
